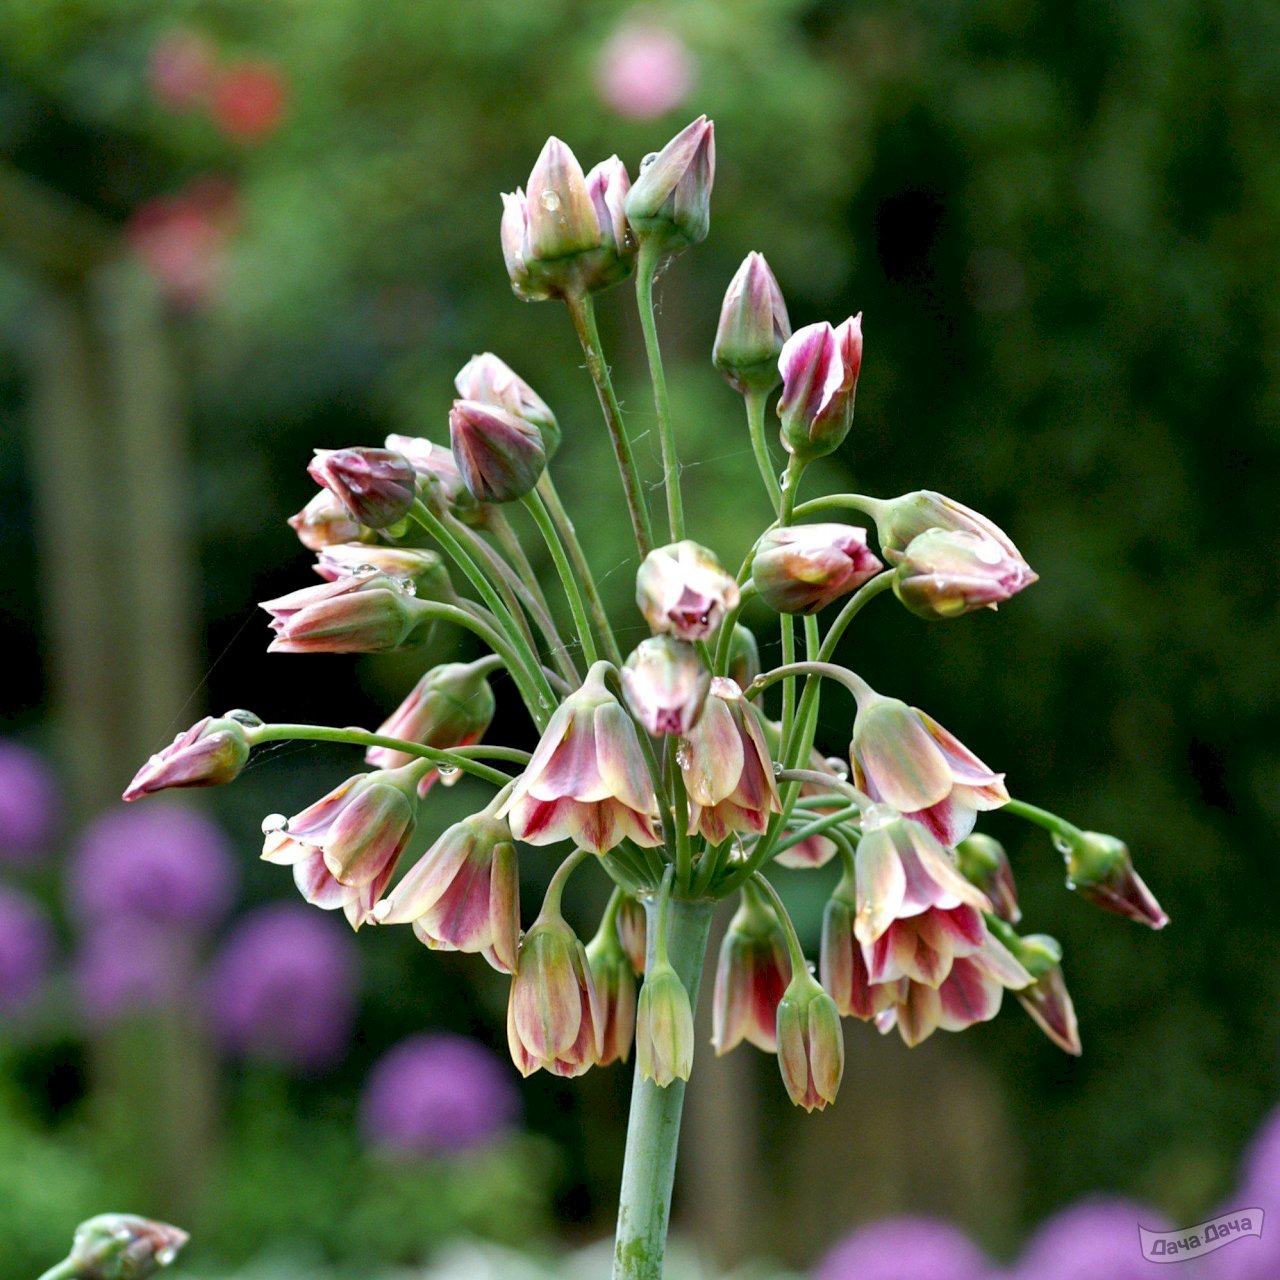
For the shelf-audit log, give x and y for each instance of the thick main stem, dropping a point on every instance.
(653, 1129)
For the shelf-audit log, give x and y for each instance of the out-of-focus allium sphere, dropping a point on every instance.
(283, 987)
(1251, 1258)
(908, 1249)
(28, 804)
(1095, 1238)
(435, 1095)
(159, 862)
(128, 965)
(645, 69)
(182, 239)
(181, 69)
(1260, 1169)
(26, 950)
(249, 100)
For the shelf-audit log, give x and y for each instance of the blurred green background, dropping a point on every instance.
(1059, 222)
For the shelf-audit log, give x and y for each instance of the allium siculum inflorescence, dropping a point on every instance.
(679, 775)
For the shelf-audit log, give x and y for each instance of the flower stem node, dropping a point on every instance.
(211, 752)
(944, 573)
(501, 456)
(119, 1246)
(664, 1027)
(819, 366)
(1100, 869)
(803, 568)
(666, 685)
(751, 975)
(682, 590)
(377, 486)
(810, 1043)
(984, 863)
(670, 203)
(753, 329)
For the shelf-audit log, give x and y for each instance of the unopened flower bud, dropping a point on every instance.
(1047, 999)
(377, 486)
(491, 381)
(615, 984)
(819, 367)
(752, 973)
(608, 185)
(945, 573)
(842, 963)
(670, 203)
(664, 1027)
(562, 216)
(682, 589)
(208, 754)
(425, 569)
(633, 932)
(666, 685)
(501, 457)
(753, 328)
(744, 656)
(803, 568)
(324, 521)
(364, 613)
(899, 521)
(983, 862)
(1100, 869)
(119, 1246)
(439, 480)
(810, 1043)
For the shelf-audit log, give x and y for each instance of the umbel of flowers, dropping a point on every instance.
(661, 769)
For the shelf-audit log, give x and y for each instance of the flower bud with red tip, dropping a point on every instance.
(363, 613)
(1100, 869)
(1046, 1000)
(945, 573)
(670, 203)
(664, 1027)
(491, 381)
(803, 568)
(208, 754)
(377, 486)
(819, 366)
(810, 1043)
(666, 684)
(983, 862)
(752, 973)
(120, 1246)
(754, 327)
(681, 589)
(615, 983)
(608, 185)
(501, 457)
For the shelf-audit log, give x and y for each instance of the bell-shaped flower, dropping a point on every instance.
(489, 380)
(324, 521)
(501, 456)
(819, 367)
(810, 1043)
(615, 984)
(377, 486)
(666, 684)
(726, 766)
(905, 759)
(211, 752)
(670, 202)
(664, 1027)
(1100, 869)
(554, 1018)
(753, 328)
(423, 568)
(363, 613)
(945, 573)
(439, 480)
(344, 848)
(682, 590)
(842, 963)
(587, 780)
(803, 568)
(751, 975)
(463, 894)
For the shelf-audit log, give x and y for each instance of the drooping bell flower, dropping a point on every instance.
(489, 380)
(753, 328)
(810, 1043)
(425, 569)
(377, 486)
(364, 613)
(670, 202)
(727, 770)
(682, 590)
(945, 573)
(1100, 869)
(501, 456)
(664, 1027)
(666, 684)
(587, 780)
(803, 568)
(842, 963)
(324, 522)
(440, 482)
(463, 894)
(751, 975)
(211, 752)
(344, 848)
(905, 759)
(615, 983)
(819, 367)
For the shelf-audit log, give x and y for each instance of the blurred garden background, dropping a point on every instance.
(233, 232)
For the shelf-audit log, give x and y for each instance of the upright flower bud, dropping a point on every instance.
(945, 573)
(119, 1246)
(753, 328)
(615, 984)
(1100, 869)
(670, 203)
(424, 568)
(805, 567)
(633, 932)
(562, 216)
(819, 367)
(377, 486)
(810, 1044)
(491, 381)
(899, 521)
(752, 973)
(664, 1027)
(608, 185)
(665, 685)
(439, 480)
(554, 1018)
(363, 613)
(463, 894)
(1047, 999)
(744, 656)
(682, 589)
(501, 457)
(208, 754)
(324, 521)
(984, 863)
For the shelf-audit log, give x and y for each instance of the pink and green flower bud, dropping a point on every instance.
(344, 848)
(810, 1044)
(587, 780)
(899, 521)
(554, 1018)
(562, 216)
(615, 984)
(463, 894)
(424, 568)
(666, 684)
(324, 522)
(905, 759)
(664, 1027)
(1046, 1000)
(1100, 869)
(842, 962)
(608, 185)
(120, 1246)
(945, 573)
(363, 613)
(752, 973)
(744, 656)
(984, 863)
(491, 381)
(451, 706)
(377, 486)
(819, 367)
(633, 932)
(440, 482)
(682, 590)
(726, 766)
(754, 326)
(501, 457)
(803, 568)
(211, 752)
(670, 203)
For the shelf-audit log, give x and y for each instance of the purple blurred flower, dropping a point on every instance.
(437, 1094)
(1249, 1258)
(1260, 1169)
(164, 864)
(908, 1249)
(645, 69)
(283, 987)
(129, 965)
(1095, 1238)
(28, 803)
(26, 949)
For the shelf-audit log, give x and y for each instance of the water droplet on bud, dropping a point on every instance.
(274, 823)
(407, 587)
(838, 766)
(813, 968)
(648, 160)
(241, 716)
(361, 569)
(683, 754)
(1063, 845)
(988, 551)
(165, 1255)
(550, 201)
(875, 817)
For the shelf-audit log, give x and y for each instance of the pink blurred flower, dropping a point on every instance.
(644, 69)
(26, 950)
(182, 68)
(182, 239)
(249, 100)
(907, 1249)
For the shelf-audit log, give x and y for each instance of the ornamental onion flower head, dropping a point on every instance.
(666, 684)
(664, 1027)
(904, 1249)
(130, 965)
(670, 203)
(500, 455)
(752, 973)
(488, 380)
(366, 612)
(819, 367)
(377, 486)
(753, 329)
(945, 573)
(645, 69)
(1100, 869)
(810, 1043)
(210, 753)
(29, 803)
(803, 568)
(1095, 1237)
(682, 590)
(26, 951)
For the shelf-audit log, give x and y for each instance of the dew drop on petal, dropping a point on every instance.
(550, 201)
(683, 754)
(875, 817)
(446, 770)
(988, 551)
(363, 569)
(838, 766)
(166, 1255)
(273, 823)
(407, 587)
(778, 768)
